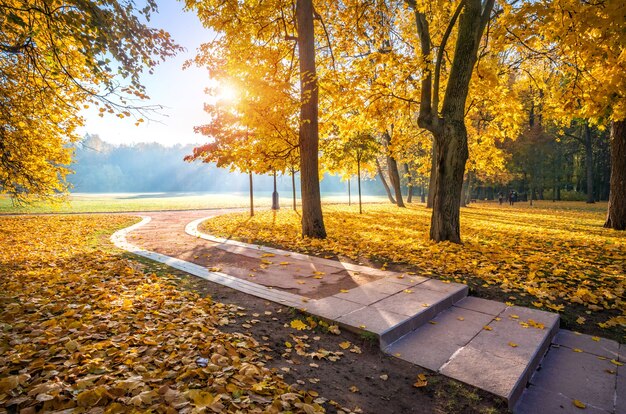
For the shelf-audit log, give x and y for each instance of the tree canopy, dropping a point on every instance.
(57, 57)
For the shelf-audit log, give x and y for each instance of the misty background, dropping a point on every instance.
(101, 167)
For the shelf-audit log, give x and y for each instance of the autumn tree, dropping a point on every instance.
(585, 42)
(275, 38)
(56, 58)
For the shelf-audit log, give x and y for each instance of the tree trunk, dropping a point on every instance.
(589, 163)
(464, 192)
(312, 219)
(358, 177)
(392, 169)
(275, 202)
(293, 188)
(422, 194)
(433, 176)
(616, 214)
(452, 153)
(470, 182)
(382, 179)
(251, 195)
(409, 185)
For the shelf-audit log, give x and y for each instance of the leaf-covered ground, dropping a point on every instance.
(555, 257)
(86, 330)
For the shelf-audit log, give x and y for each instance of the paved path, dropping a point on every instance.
(424, 321)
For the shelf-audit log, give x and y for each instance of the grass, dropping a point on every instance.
(552, 256)
(107, 203)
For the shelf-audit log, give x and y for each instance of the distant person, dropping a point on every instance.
(511, 197)
(500, 198)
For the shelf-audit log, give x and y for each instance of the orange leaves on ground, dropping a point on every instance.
(84, 328)
(553, 256)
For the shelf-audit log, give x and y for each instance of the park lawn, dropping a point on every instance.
(552, 256)
(124, 202)
(84, 328)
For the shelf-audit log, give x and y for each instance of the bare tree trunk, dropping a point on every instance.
(468, 190)
(589, 163)
(358, 177)
(275, 202)
(422, 194)
(616, 214)
(312, 219)
(409, 184)
(293, 187)
(392, 168)
(382, 179)
(464, 192)
(251, 195)
(433, 177)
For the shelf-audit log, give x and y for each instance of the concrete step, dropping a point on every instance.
(578, 368)
(391, 307)
(482, 343)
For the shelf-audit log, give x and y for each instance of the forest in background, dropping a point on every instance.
(554, 166)
(100, 167)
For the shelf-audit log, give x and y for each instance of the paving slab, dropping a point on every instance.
(371, 319)
(537, 400)
(620, 390)
(590, 344)
(495, 374)
(413, 302)
(331, 307)
(433, 344)
(406, 280)
(578, 375)
(365, 294)
(489, 307)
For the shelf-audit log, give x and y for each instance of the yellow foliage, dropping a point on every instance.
(121, 340)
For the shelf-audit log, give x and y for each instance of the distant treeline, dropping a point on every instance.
(101, 167)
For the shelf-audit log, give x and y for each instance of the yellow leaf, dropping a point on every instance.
(268, 255)
(577, 350)
(581, 320)
(595, 338)
(513, 344)
(299, 325)
(487, 328)
(334, 329)
(509, 303)
(461, 318)
(200, 398)
(345, 345)
(615, 362)
(354, 388)
(579, 404)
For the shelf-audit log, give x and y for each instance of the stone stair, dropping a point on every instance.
(482, 343)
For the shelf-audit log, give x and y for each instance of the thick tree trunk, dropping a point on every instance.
(382, 180)
(392, 169)
(251, 195)
(616, 215)
(589, 163)
(409, 184)
(312, 219)
(452, 154)
(433, 177)
(293, 188)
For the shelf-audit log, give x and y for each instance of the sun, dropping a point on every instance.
(227, 92)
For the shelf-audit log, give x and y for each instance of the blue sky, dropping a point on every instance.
(180, 91)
